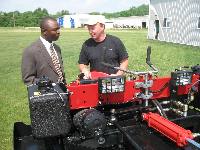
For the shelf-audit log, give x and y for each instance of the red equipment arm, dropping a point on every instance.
(95, 75)
(168, 128)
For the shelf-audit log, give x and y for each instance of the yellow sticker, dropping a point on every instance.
(37, 93)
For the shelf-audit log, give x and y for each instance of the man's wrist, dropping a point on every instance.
(85, 70)
(119, 73)
(86, 73)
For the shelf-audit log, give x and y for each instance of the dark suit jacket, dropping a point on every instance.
(36, 63)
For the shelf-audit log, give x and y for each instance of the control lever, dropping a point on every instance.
(117, 68)
(148, 61)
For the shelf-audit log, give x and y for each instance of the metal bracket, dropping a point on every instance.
(144, 96)
(144, 85)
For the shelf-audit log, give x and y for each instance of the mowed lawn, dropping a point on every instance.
(13, 94)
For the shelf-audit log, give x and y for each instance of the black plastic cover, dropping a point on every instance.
(49, 112)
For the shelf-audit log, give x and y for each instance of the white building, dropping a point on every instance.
(78, 20)
(176, 21)
(137, 22)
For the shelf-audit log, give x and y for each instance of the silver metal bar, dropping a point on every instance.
(193, 143)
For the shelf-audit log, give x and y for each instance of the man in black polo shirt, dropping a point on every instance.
(102, 47)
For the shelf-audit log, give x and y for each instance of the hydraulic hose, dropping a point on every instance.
(160, 108)
(183, 118)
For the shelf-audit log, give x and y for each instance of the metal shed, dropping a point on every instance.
(176, 21)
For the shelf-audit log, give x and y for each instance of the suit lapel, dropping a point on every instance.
(46, 55)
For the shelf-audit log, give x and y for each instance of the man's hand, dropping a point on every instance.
(85, 70)
(87, 73)
(123, 66)
(119, 73)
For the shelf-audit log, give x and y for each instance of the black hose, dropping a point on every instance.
(183, 118)
(160, 107)
(132, 142)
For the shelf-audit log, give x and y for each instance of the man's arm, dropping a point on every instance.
(124, 66)
(123, 56)
(28, 68)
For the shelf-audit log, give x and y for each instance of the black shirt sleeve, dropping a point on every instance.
(83, 58)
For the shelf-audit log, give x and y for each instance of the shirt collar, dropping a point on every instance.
(45, 42)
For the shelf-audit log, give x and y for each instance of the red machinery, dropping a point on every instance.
(168, 128)
(84, 96)
(109, 112)
(87, 95)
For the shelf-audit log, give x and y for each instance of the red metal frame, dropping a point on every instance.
(87, 95)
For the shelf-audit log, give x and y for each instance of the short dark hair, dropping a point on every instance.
(44, 21)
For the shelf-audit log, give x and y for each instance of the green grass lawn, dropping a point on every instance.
(13, 95)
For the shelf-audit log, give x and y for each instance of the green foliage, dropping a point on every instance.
(26, 19)
(94, 13)
(133, 11)
(63, 12)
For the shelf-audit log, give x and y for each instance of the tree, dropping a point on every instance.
(133, 11)
(38, 14)
(94, 13)
(61, 13)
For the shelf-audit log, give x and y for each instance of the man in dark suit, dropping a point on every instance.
(37, 58)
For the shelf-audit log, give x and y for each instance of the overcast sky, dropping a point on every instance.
(73, 6)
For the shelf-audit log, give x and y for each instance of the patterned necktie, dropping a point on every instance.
(56, 63)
